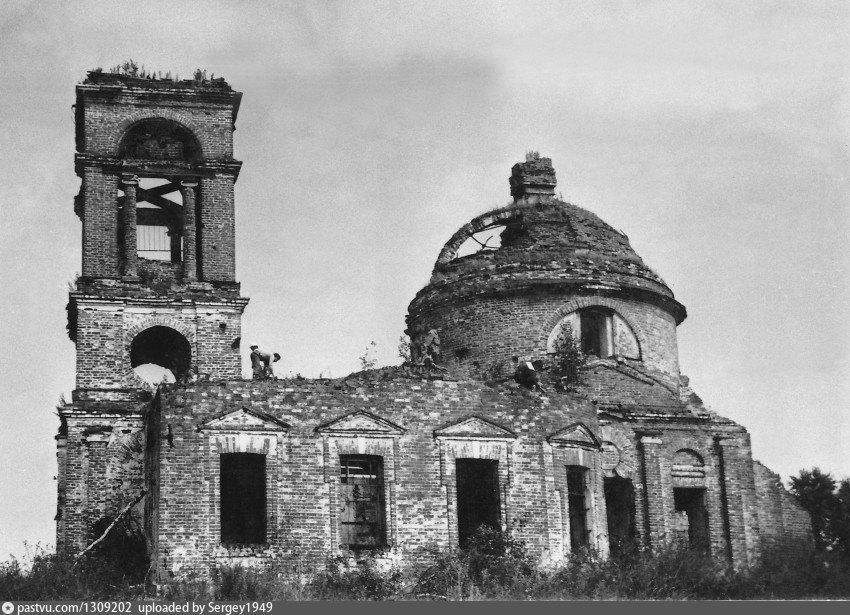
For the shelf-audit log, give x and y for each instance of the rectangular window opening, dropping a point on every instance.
(577, 505)
(596, 333)
(243, 499)
(362, 519)
(477, 497)
(690, 504)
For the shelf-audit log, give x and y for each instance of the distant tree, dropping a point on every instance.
(842, 522)
(815, 491)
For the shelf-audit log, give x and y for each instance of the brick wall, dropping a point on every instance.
(107, 118)
(100, 224)
(422, 484)
(419, 470)
(108, 112)
(478, 335)
(217, 230)
(101, 473)
(105, 332)
(783, 523)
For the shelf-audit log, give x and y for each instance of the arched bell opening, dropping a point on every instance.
(160, 354)
(159, 139)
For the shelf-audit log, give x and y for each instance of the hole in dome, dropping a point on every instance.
(487, 239)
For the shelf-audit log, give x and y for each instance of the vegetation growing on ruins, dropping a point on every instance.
(568, 360)
(493, 567)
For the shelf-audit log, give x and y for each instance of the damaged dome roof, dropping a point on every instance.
(540, 241)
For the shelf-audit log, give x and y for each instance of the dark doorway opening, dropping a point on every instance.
(477, 496)
(620, 506)
(163, 347)
(690, 501)
(243, 498)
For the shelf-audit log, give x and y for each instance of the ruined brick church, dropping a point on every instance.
(399, 461)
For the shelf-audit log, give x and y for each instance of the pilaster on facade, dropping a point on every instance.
(656, 495)
(737, 487)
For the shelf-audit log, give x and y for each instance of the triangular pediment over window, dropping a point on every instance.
(360, 423)
(245, 420)
(475, 428)
(576, 434)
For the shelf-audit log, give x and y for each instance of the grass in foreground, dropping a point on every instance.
(493, 568)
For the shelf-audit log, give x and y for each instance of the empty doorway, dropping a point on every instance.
(690, 502)
(477, 496)
(620, 506)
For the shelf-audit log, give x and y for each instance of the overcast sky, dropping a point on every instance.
(714, 134)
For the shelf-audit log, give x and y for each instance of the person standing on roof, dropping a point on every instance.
(261, 363)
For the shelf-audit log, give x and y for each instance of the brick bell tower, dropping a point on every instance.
(157, 297)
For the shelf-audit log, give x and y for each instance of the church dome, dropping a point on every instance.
(540, 244)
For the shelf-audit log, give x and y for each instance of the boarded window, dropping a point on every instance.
(577, 504)
(477, 496)
(243, 498)
(362, 521)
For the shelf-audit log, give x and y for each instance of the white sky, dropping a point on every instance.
(715, 134)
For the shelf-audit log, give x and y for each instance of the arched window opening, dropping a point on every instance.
(599, 332)
(160, 354)
(159, 139)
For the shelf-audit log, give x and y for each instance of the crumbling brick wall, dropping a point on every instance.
(479, 334)
(303, 475)
(106, 110)
(99, 460)
(105, 334)
(783, 523)
(188, 526)
(102, 473)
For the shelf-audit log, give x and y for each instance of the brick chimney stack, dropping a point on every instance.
(533, 181)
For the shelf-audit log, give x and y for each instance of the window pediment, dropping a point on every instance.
(360, 423)
(244, 420)
(576, 434)
(475, 428)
